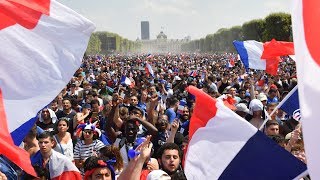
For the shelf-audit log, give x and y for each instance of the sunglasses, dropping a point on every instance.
(87, 132)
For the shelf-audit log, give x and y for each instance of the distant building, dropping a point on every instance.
(162, 44)
(145, 31)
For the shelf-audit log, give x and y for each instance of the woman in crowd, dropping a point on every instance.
(88, 146)
(63, 138)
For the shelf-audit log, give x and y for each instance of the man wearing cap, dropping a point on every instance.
(242, 110)
(256, 108)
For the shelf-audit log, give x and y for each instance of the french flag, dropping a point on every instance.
(193, 73)
(231, 63)
(182, 103)
(305, 23)
(149, 70)
(250, 54)
(42, 45)
(126, 81)
(60, 167)
(223, 145)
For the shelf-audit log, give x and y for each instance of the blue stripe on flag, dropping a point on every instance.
(21, 132)
(291, 104)
(242, 51)
(259, 158)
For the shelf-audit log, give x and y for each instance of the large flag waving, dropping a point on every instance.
(42, 44)
(224, 146)
(250, 53)
(306, 30)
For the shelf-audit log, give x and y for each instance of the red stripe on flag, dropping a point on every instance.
(201, 114)
(15, 154)
(272, 65)
(311, 16)
(24, 12)
(275, 48)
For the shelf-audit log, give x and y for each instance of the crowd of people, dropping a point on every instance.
(108, 128)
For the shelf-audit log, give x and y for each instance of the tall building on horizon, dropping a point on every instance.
(145, 32)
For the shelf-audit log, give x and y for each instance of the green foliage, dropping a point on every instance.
(106, 42)
(94, 45)
(253, 30)
(277, 25)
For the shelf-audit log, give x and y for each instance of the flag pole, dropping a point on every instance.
(278, 106)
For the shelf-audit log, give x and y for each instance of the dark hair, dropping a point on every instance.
(169, 146)
(93, 162)
(44, 135)
(57, 124)
(94, 101)
(173, 101)
(271, 122)
(112, 152)
(278, 139)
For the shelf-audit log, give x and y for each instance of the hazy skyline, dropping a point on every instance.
(177, 18)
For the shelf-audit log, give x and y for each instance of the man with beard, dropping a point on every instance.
(47, 120)
(68, 113)
(184, 121)
(169, 158)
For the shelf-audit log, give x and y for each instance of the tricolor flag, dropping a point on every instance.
(42, 44)
(231, 63)
(60, 167)
(182, 103)
(306, 30)
(223, 145)
(250, 54)
(126, 81)
(193, 73)
(149, 70)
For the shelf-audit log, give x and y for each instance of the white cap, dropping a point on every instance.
(242, 107)
(262, 97)
(255, 105)
(158, 175)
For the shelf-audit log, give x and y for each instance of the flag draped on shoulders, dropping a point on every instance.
(306, 30)
(60, 167)
(237, 150)
(42, 44)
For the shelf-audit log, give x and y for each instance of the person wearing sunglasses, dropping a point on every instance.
(88, 146)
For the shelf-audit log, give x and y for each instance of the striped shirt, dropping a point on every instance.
(83, 151)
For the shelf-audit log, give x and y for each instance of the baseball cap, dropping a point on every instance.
(137, 108)
(158, 175)
(87, 106)
(255, 105)
(242, 107)
(262, 97)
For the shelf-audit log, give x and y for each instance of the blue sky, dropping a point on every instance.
(177, 18)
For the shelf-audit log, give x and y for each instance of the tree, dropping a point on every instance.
(253, 30)
(94, 45)
(278, 26)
